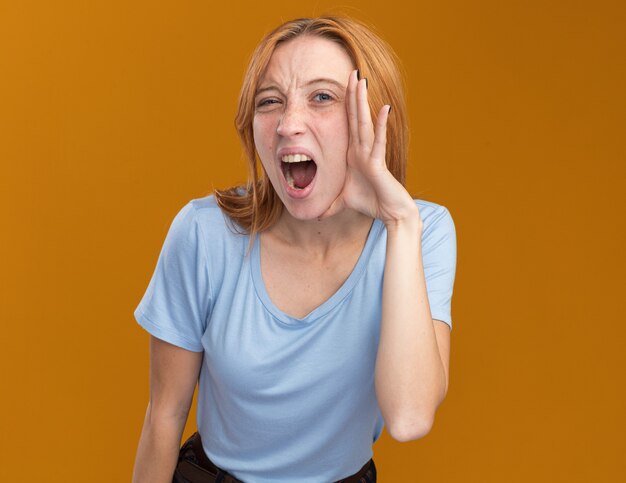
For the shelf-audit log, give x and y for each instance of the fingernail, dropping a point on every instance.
(389, 109)
(366, 85)
(358, 74)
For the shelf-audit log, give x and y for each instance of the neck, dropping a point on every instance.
(322, 235)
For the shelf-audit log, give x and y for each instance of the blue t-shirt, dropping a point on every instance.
(281, 399)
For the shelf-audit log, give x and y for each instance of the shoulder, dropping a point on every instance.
(205, 209)
(196, 219)
(435, 217)
(200, 226)
(439, 232)
(439, 256)
(219, 233)
(206, 214)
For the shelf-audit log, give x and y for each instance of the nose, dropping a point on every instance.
(292, 122)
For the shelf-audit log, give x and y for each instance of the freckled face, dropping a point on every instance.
(301, 125)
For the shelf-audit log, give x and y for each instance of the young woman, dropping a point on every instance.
(312, 305)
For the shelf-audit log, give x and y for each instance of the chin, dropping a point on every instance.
(306, 211)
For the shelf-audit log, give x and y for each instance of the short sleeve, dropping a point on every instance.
(439, 256)
(176, 303)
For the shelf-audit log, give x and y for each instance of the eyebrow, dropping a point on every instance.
(320, 80)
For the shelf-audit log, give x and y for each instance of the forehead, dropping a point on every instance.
(307, 57)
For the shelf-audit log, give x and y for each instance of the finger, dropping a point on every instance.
(351, 105)
(366, 129)
(380, 137)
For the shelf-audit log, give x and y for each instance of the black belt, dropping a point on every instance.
(206, 471)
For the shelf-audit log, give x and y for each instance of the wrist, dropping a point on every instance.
(410, 222)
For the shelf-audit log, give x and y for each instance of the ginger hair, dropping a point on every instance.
(255, 206)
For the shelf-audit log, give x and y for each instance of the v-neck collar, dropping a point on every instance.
(332, 301)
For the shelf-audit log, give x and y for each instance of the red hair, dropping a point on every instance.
(256, 206)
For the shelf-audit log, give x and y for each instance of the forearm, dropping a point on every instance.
(158, 449)
(410, 375)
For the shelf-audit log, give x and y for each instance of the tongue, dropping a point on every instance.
(303, 173)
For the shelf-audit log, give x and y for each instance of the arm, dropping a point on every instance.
(173, 377)
(413, 355)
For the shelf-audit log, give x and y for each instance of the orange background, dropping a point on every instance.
(113, 114)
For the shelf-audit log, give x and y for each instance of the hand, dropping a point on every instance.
(369, 187)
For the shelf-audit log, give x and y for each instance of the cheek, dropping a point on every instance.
(257, 133)
(263, 141)
(341, 131)
(341, 140)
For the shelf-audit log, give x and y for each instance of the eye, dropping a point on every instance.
(267, 102)
(323, 97)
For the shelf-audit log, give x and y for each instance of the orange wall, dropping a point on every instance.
(114, 114)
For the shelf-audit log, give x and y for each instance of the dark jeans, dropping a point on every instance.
(195, 467)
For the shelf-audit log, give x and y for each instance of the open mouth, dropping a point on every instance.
(299, 170)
